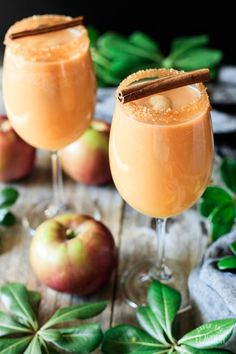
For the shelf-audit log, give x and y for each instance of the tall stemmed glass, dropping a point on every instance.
(161, 154)
(49, 90)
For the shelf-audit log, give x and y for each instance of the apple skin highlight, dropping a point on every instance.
(73, 253)
(17, 158)
(86, 160)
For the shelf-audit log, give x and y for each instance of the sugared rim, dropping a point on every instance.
(149, 115)
(47, 52)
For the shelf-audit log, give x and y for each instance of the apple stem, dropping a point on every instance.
(70, 234)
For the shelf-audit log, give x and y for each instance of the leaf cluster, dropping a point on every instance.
(20, 331)
(156, 335)
(115, 56)
(8, 197)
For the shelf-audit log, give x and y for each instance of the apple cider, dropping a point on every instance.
(161, 147)
(49, 84)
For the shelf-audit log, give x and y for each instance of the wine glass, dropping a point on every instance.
(161, 154)
(49, 89)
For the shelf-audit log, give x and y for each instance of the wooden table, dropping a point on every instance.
(133, 234)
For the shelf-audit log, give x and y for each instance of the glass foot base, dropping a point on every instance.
(135, 283)
(42, 211)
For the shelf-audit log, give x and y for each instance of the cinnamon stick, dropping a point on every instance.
(48, 28)
(137, 91)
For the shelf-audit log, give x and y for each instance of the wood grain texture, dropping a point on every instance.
(133, 233)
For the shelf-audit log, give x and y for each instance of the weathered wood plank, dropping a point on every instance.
(14, 260)
(184, 242)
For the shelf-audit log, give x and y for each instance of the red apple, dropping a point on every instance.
(73, 253)
(86, 160)
(16, 156)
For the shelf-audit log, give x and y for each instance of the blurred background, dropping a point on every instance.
(161, 19)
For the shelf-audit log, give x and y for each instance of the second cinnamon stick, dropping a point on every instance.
(136, 92)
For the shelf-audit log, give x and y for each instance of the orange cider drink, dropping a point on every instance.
(161, 147)
(48, 83)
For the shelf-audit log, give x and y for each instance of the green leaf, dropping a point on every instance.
(77, 312)
(14, 345)
(47, 348)
(34, 347)
(50, 335)
(7, 218)
(150, 323)
(164, 302)
(112, 45)
(129, 339)
(185, 349)
(142, 40)
(93, 35)
(9, 326)
(8, 196)
(222, 219)
(50, 350)
(232, 247)
(228, 173)
(213, 197)
(157, 351)
(104, 76)
(99, 59)
(122, 67)
(210, 335)
(16, 299)
(34, 299)
(198, 58)
(82, 339)
(227, 263)
(181, 45)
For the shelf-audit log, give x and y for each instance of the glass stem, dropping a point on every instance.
(57, 181)
(164, 272)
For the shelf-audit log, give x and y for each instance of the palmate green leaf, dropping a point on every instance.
(181, 45)
(9, 326)
(34, 347)
(101, 66)
(34, 300)
(164, 302)
(104, 77)
(50, 335)
(99, 59)
(81, 339)
(150, 323)
(7, 218)
(77, 312)
(185, 349)
(227, 263)
(8, 197)
(142, 40)
(198, 58)
(217, 204)
(232, 247)
(213, 197)
(228, 173)
(210, 335)
(15, 298)
(93, 35)
(47, 348)
(14, 345)
(159, 351)
(126, 339)
(122, 67)
(112, 45)
(222, 219)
